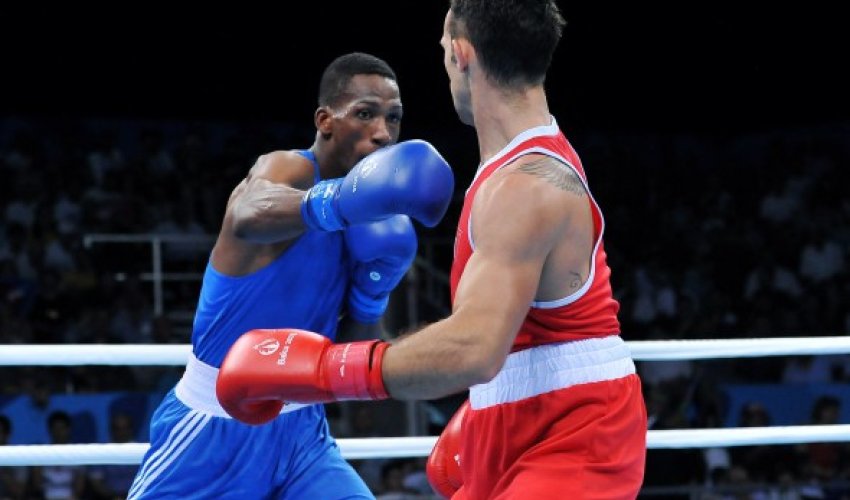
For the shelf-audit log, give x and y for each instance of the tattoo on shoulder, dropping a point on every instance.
(575, 280)
(556, 173)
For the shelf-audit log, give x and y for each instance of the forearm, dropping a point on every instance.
(267, 212)
(442, 359)
(445, 358)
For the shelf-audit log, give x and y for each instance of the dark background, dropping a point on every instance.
(705, 66)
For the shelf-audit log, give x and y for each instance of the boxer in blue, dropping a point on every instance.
(296, 250)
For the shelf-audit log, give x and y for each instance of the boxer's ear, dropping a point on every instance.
(323, 119)
(463, 53)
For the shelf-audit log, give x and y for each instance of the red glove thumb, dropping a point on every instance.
(443, 466)
(256, 412)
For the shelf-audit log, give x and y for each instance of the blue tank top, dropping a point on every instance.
(302, 288)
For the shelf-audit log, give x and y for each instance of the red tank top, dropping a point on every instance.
(589, 312)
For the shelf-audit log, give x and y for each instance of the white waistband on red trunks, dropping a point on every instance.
(546, 368)
(196, 389)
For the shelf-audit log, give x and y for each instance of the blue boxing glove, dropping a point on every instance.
(408, 178)
(381, 253)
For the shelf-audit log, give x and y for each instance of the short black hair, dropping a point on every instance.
(341, 70)
(823, 403)
(514, 39)
(58, 416)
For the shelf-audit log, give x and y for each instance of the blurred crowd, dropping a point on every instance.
(708, 236)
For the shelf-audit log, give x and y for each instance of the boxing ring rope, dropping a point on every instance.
(398, 447)
(132, 453)
(642, 350)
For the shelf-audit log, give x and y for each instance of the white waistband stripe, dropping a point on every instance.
(547, 368)
(196, 389)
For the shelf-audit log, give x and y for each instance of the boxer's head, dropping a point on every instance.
(509, 43)
(360, 107)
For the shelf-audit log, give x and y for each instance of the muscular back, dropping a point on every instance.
(558, 199)
(529, 251)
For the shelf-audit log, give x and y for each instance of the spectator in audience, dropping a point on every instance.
(808, 370)
(761, 463)
(12, 479)
(824, 461)
(770, 276)
(59, 482)
(822, 258)
(393, 487)
(180, 221)
(112, 482)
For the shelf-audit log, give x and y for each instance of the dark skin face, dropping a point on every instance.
(366, 118)
(265, 205)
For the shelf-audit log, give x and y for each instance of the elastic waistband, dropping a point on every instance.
(550, 367)
(196, 389)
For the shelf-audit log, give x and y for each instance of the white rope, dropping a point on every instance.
(642, 350)
(353, 449)
(94, 354)
(746, 436)
(662, 350)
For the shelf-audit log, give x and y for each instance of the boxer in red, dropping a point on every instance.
(555, 407)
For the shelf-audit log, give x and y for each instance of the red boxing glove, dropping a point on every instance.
(264, 369)
(443, 466)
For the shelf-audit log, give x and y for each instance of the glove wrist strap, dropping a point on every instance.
(319, 206)
(353, 370)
